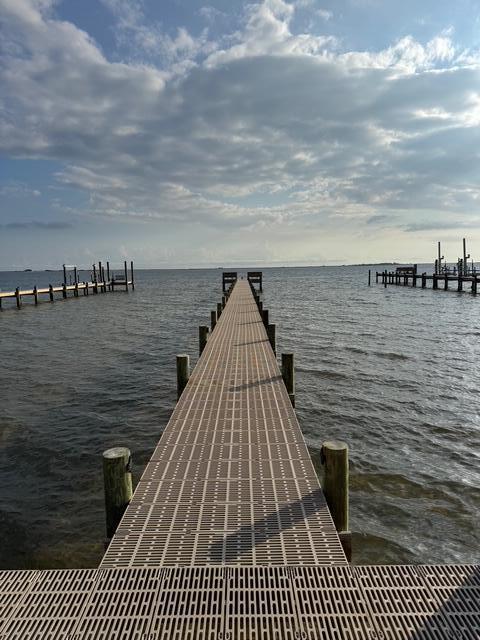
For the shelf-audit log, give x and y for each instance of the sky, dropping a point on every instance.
(194, 133)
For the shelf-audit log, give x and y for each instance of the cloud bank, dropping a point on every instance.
(262, 126)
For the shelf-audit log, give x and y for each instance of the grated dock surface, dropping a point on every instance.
(231, 481)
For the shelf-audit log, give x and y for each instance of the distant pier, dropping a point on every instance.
(102, 280)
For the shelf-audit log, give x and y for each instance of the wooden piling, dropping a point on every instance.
(376, 277)
(35, 294)
(219, 310)
(50, 292)
(117, 480)
(202, 338)
(385, 279)
(370, 277)
(474, 284)
(64, 290)
(131, 275)
(445, 284)
(271, 333)
(224, 302)
(265, 317)
(213, 320)
(183, 372)
(335, 486)
(260, 307)
(288, 375)
(435, 281)
(460, 282)
(126, 275)
(424, 280)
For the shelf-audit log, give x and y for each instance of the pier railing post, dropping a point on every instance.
(288, 375)
(117, 480)
(213, 320)
(335, 487)
(265, 317)
(224, 302)
(271, 333)
(202, 338)
(219, 310)
(183, 372)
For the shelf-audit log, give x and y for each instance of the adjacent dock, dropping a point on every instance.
(228, 535)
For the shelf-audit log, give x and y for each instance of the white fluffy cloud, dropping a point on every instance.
(266, 126)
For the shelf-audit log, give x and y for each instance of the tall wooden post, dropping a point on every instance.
(445, 284)
(95, 283)
(117, 480)
(202, 338)
(369, 277)
(271, 333)
(265, 317)
(183, 372)
(335, 488)
(126, 275)
(64, 275)
(260, 307)
(64, 290)
(474, 284)
(385, 279)
(35, 294)
(224, 302)
(131, 275)
(219, 310)
(50, 292)
(108, 271)
(288, 375)
(460, 281)
(424, 280)
(213, 319)
(435, 281)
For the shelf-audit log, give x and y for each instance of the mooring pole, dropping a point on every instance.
(219, 310)
(50, 292)
(265, 317)
(335, 488)
(213, 320)
(202, 338)
(183, 372)
(126, 275)
(117, 480)
(131, 275)
(369, 277)
(271, 333)
(288, 375)
(64, 275)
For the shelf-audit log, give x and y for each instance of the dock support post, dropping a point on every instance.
(64, 275)
(369, 277)
(265, 317)
(202, 338)
(108, 271)
(414, 280)
(213, 320)
(35, 294)
(385, 279)
(95, 284)
(460, 282)
(260, 307)
(424, 280)
(18, 297)
(335, 487)
(219, 310)
(50, 292)
(64, 290)
(224, 302)
(288, 375)
(445, 284)
(131, 275)
(126, 275)
(117, 480)
(183, 372)
(434, 281)
(474, 284)
(271, 333)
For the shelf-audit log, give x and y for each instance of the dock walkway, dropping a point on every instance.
(228, 535)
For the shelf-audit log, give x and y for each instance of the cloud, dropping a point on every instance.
(266, 127)
(36, 224)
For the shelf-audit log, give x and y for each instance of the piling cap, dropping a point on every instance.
(117, 452)
(336, 445)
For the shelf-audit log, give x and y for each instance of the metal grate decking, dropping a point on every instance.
(231, 481)
(228, 536)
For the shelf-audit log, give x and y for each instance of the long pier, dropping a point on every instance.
(228, 535)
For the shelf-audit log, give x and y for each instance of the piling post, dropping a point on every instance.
(35, 294)
(335, 487)
(288, 375)
(202, 338)
(18, 297)
(369, 277)
(126, 275)
(108, 271)
(474, 284)
(219, 310)
(64, 275)
(131, 275)
(260, 307)
(95, 284)
(460, 282)
(183, 372)
(271, 333)
(376, 277)
(213, 320)
(435, 281)
(414, 280)
(445, 284)
(224, 302)
(64, 290)
(265, 317)
(117, 480)
(424, 280)
(385, 279)
(50, 292)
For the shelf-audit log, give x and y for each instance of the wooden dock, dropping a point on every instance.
(101, 284)
(228, 535)
(457, 282)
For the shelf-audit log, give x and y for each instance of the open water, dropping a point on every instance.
(394, 372)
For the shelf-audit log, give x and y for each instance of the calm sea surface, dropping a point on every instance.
(393, 372)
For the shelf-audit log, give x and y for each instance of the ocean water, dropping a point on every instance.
(394, 372)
